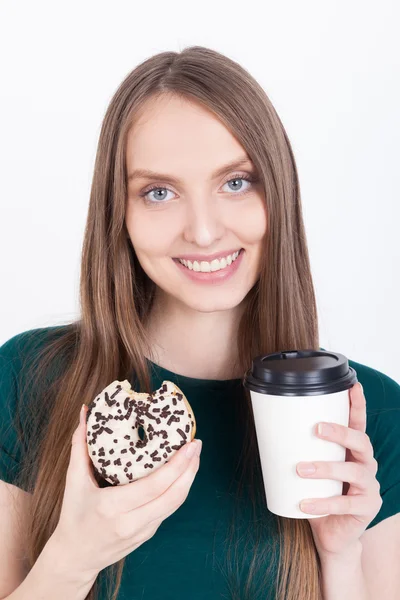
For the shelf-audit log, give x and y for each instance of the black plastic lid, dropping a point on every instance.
(300, 373)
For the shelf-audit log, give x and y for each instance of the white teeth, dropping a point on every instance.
(206, 267)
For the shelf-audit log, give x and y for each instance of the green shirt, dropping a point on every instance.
(188, 556)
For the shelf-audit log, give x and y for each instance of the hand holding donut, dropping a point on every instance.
(99, 526)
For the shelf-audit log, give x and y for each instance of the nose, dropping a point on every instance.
(204, 222)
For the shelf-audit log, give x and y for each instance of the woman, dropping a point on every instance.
(198, 527)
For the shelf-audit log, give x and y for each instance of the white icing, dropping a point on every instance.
(130, 426)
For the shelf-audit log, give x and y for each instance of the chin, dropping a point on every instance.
(204, 303)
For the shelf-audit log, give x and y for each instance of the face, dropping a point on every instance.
(192, 209)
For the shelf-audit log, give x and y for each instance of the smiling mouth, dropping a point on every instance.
(192, 270)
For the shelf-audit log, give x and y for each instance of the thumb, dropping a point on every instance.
(80, 466)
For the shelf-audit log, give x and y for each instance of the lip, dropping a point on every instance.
(209, 257)
(213, 276)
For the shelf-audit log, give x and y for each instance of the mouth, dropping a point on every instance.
(207, 261)
(219, 275)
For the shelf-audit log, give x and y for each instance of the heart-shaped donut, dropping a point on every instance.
(117, 416)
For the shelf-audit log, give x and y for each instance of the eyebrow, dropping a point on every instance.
(146, 174)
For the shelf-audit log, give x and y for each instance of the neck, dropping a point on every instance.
(196, 344)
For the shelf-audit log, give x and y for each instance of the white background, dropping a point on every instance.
(330, 69)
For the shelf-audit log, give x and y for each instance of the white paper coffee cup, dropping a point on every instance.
(291, 392)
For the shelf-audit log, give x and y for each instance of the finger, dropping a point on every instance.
(360, 506)
(163, 506)
(358, 408)
(144, 490)
(350, 472)
(355, 440)
(80, 470)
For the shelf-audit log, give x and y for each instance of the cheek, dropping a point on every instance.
(251, 222)
(149, 233)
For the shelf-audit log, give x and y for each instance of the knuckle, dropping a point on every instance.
(377, 505)
(170, 511)
(147, 532)
(361, 473)
(142, 537)
(368, 445)
(153, 529)
(179, 499)
(335, 506)
(121, 530)
(105, 508)
(184, 496)
(353, 504)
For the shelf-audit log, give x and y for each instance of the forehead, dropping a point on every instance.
(171, 134)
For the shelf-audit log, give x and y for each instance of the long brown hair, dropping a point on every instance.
(109, 340)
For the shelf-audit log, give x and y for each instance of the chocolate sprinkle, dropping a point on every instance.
(118, 389)
(182, 434)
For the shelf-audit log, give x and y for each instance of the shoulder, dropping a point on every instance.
(382, 392)
(21, 360)
(24, 387)
(21, 347)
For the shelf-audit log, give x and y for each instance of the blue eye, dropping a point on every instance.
(160, 200)
(238, 178)
(147, 192)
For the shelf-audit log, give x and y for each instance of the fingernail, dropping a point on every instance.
(305, 468)
(199, 447)
(325, 429)
(191, 449)
(307, 506)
